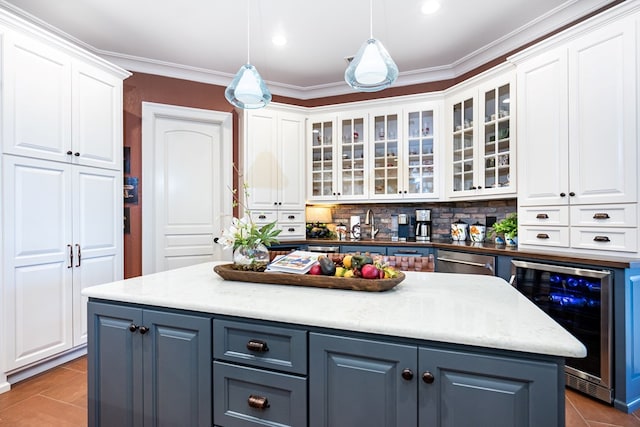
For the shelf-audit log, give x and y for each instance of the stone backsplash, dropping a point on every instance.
(442, 214)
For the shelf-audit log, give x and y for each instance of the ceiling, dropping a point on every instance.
(206, 40)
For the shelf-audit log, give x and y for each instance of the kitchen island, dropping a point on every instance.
(424, 353)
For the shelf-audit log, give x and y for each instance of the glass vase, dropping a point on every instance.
(251, 258)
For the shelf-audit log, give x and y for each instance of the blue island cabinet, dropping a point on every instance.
(148, 367)
(361, 382)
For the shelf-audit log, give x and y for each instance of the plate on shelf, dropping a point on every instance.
(227, 272)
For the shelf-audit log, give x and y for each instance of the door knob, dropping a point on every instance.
(428, 377)
(407, 374)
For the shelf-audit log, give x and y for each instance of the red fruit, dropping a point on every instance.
(315, 270)
(369, 271)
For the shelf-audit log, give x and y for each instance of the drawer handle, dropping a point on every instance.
(258, 346)
(601, 216)
(601, 239)
(262, 217)
(291, 230)
(258, 402)
(542, 236)
(542, 216)
(291, 217)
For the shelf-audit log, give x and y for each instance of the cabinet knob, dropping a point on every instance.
(572, 194)
(69, 153)
(76, 154)
(262, 217)
(563, 195)
(216, 239)
(144, 330)
(258, 402)
(133, 327)
(257, 346)
(428, 377)
(291, 217)
(407, 374)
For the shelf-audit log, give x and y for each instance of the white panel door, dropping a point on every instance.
(37, 299)
(603, 116)
(543, 130)
(97, 237)
(97, 117)
(37, 100)
(187, 180)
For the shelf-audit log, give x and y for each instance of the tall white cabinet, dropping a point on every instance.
(273, 152)
(578, 139)
(62, 224)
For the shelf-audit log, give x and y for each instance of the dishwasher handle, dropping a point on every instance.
(474, 264)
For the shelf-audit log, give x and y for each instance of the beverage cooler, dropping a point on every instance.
(581, 301)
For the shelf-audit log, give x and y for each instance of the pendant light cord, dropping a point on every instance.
(248, 32)
(370, 19)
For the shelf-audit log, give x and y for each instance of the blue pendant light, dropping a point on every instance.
(372, 69)
(247, 89)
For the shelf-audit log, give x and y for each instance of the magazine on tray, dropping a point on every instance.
(299, 262)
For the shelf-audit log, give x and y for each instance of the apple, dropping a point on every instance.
(315, 270)
(369, 271)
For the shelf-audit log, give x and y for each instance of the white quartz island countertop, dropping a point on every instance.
(475, 310)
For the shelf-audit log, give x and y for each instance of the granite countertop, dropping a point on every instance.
(453, 308)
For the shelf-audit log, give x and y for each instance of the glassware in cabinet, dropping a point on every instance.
(463, 146)
(385, 154)
(353, 153)
(497, 145)
(420, 152)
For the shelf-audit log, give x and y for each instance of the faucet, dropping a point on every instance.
(369, 220)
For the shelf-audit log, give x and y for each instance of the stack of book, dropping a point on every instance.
(299, 262)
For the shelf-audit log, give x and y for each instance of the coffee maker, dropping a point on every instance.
(423, 225)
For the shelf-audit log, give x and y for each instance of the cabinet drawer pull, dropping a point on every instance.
(542, 216)
(601, 216)
(407, 374)
(262, 217)
(601, 239)
(258, 346)
(291, 217)
(542, 236)
(291, 230)
(70, 265)
(258, 402)
(428, 377)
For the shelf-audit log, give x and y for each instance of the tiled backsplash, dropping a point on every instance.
(442, 214)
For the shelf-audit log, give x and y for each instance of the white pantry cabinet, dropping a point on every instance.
(61, 169)
(63, 229)
(274, 168)
(58, 107)
(577, 133)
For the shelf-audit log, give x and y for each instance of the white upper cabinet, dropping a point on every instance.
(59, 108)
(480, 158)
(577, 121)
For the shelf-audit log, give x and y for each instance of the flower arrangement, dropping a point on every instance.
(248, 239)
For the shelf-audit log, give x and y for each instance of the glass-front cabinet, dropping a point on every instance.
(338, 157)
(481, 159)
(404, 153)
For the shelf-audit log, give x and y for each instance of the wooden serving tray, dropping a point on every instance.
(351, 283)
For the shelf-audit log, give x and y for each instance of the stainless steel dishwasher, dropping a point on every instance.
(461, 262)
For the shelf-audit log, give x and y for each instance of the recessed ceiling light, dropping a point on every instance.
(430, 6)
(279, 40)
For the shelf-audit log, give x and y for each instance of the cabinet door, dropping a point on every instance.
(352, 155)
(291, 166)
(114, 366)
(357, 382)
(420, 154)
(603, 116)
(464, 165)
(543, 130)
(37, 99)
(322, 181)
(460, 389)
(37, 279)
(261, 160)
(177, 370)
(97, 117)
(97, 236)
(387, 168)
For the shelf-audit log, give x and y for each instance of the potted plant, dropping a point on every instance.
(507, 227)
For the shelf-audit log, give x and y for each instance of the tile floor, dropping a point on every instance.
(58, 398)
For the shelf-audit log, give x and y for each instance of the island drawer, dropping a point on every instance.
(253, 397)
(259, 345)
